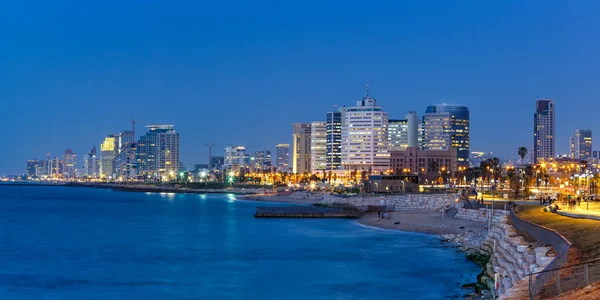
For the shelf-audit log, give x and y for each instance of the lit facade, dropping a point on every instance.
(235, 158)
(414, 160)
(70, 164)
(91, 166)
(333, 138)
(301, 148)
(365, 137)
(581, 144)
(125, 138)
(108, 152)
(543, 131)
(447, 126)
(318, 146)
(55, 167)
(398, 134)
(262, 160)
(126, 162)
(158, 152)
(283, 157)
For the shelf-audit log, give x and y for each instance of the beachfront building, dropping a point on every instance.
(91, 166)
(70, 164)
(108, 152)
(447, 126)
(126, 162)
(125, 138)
(581, 144)
(543, 131)
(333, 131)
(318, 146)
(365, 137)
(158, 153)
(301, 148)
(283, 157)
(235, 158)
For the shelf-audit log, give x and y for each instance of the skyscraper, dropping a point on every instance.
(365, 137)
(55, 167)
(108, 152)
(581, 144)
(158, 152)
(301, 148)
(283, 157)
(543, 131)
(126, 162)
(447, 126)
(70, 164)
(262, 160)
(333, 132)
(318, 146)
(398, 133)
(125, 138)
(91, 167)
(32, 166)
(234, 158)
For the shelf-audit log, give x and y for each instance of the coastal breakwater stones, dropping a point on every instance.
(512, 258)
(397, 202)
(481, 215)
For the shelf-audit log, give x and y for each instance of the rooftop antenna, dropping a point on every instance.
(367, 88)
(133, 121)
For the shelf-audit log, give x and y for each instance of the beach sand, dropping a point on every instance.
(424, 221)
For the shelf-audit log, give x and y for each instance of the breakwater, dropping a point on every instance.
(305, 212)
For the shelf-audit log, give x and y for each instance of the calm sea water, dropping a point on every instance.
(76, 243)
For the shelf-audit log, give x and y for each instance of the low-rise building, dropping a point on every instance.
(433, 163)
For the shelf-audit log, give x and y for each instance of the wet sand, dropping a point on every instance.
(424, 221)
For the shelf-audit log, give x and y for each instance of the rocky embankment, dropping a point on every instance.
(396, 202)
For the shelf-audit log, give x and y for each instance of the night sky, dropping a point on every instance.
(231, 72)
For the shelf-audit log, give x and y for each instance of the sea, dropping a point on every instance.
(86, 243)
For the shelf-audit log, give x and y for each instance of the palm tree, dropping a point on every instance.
(522, 151)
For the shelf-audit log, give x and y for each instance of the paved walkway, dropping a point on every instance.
(584, 211)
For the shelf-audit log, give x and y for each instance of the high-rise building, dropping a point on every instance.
(581, 144)
(447, 126)
(301, 148)
(283, 157)
(543, 131)
(41, 170)
(235, 158)
(70, 164)
(108, 152)
(91, 166)
(217, 162)
(334, 140)
(158, 152)
(126, 162)
(365, 137)
(262, 160)
(55, 167)
(398, 133)
(125, 138)
(32, 167)
(318, 146)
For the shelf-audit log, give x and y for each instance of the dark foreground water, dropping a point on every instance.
(76, 243)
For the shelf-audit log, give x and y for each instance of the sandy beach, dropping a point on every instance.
(424, 221)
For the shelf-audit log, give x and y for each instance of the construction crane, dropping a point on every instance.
(210, 145)
(133, 122)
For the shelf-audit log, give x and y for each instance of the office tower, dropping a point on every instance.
(318, 146)
(235, 158)
(217, 162)
(126, 162)
(262, 160)
(333, 140)
(282, 161)
(397, 134)
(158, 152)
(447, 126)
(543, 131)
(581, 144)
(108, 152)
(70, 164)
(125, 138)
(55, 167)
(301, 148)
(41, 170)
(32, 167)
(365, 137)
(91, 166)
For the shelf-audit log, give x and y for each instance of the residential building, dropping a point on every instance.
(126, 162)
(318, 146)
(108, 152)
(235, 158)
(581, 144)
(333, 133)
(365, 137)
(32, 167)
(543, 131)
(55, 167)
(301, 148)
(447, 126)
(41, 169)
(125, 138)
(262, 160)
(158, 152)
(70, 164)
(283, 157)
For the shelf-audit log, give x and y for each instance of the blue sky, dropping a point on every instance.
(241, 72)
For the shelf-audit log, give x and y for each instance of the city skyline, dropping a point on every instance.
(496, 71)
